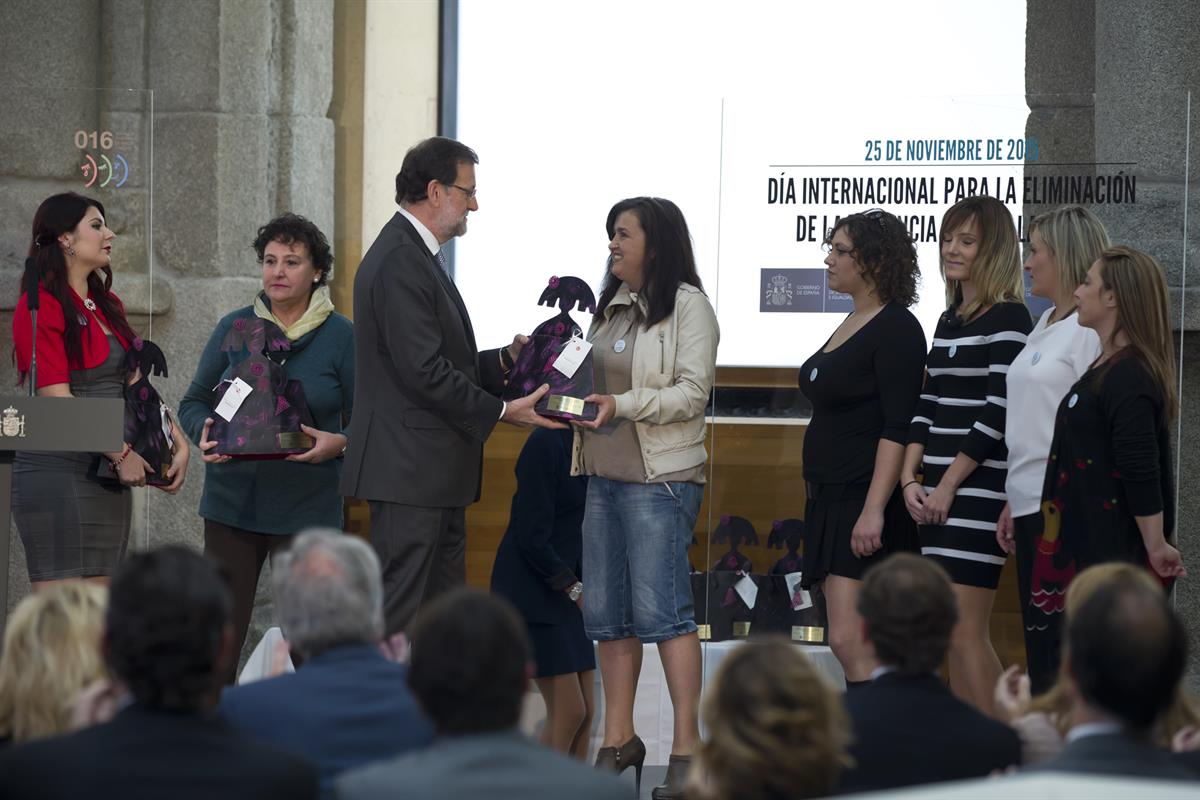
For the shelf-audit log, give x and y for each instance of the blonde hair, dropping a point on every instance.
(1076, 237)
(51, 651)
(776, 729)
(1055, 703)
(996, 272)
(1137, 281)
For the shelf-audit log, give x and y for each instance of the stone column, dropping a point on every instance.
(1139, 59)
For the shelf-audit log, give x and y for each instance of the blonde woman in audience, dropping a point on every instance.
(1042, 722)
(776, 730)
(51, 653)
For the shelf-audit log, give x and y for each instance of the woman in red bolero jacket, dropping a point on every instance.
(71, 524)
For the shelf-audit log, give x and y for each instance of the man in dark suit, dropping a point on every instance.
(425, 398)
(908, 728)
(168, 639)
(470, 671)
(1125, 655)
(345, 705)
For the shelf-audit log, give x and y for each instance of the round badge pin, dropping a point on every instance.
(1072, 401)
(953, 350)
(812, 376)
(1036, 358)
(619, 346)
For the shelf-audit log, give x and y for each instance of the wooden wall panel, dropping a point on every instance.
(756, 474)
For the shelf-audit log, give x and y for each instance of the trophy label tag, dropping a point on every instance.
(800, 599)
(234, 396)
(565, 404)
(705, 632)
(741, 629)
(807, 633)
(747, 589)
(572, 356)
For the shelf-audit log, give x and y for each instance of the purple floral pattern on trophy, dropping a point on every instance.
(535, 365)
(276, 406)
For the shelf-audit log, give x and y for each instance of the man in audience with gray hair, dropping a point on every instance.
(346, 704)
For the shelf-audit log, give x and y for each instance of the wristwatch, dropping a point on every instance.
(576, 591)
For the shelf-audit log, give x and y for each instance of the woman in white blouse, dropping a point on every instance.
(1062, 245)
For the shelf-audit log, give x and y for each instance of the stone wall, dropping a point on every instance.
(1108, 82)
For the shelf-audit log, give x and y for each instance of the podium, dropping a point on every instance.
(50, 424)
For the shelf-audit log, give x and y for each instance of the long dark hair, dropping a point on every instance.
(669, 259)
(59, 214)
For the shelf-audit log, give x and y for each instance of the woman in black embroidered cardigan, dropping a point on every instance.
(1109, 493)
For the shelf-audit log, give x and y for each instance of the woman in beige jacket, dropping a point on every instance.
(654, 340)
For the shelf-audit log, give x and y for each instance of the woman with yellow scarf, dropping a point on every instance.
(253, 507)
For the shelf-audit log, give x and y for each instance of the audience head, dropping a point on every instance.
(650, 249)
(167, 633)
(436, 183)
(1125, 652)
(328, 592)
(879, 252)
(1063, 243)
(776, 729)
(979, 244)
(1125, 292)
(51, 652)
(470, 663)
(1056, 702)
(908, 610)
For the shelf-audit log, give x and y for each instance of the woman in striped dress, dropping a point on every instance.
(956, 438)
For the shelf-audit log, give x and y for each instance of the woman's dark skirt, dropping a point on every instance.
(830, 513)
(561, 649)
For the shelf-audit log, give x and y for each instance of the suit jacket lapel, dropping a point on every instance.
(444, 279)
(452, 290)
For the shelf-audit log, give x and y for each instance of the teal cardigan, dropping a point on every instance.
(277, 497)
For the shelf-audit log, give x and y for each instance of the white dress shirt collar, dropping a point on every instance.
(1092, 729)
(426, 235)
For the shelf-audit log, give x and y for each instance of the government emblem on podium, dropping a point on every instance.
(11, 424)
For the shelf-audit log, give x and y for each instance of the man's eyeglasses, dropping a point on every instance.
(470, 193)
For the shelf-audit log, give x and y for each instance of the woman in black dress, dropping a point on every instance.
(957, 434)
(1109, 494)
(71, 525)
(537, 570)
(863, 385)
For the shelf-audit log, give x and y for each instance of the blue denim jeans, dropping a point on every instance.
(635, 565)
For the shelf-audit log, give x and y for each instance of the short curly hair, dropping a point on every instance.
(885, 250)
(290, 228)
(776, 729)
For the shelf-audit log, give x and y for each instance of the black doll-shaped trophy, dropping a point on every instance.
(558, 355)
(259, 409)
(787, 533)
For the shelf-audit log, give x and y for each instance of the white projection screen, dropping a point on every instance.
(572, 106)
